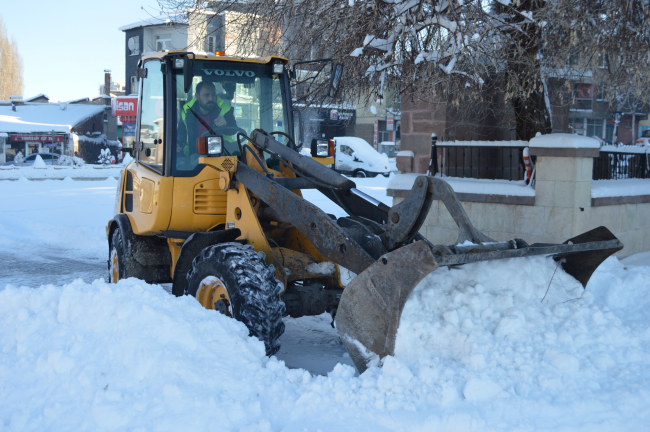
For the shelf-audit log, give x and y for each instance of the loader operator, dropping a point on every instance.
(204, 112)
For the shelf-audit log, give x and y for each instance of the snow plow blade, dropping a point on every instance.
(372, 303)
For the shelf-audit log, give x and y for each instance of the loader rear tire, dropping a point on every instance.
(252, 291)
(116, 265)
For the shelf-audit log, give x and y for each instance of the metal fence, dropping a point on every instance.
(616, 165)
(481, 162)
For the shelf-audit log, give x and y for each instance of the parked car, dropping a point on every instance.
(644, 139)
(48, 158)
(355, 157)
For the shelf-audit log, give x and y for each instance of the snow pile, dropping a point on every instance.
(483, 334)
(563, 140)
(39, 163)
(476, 350)
(74, 168)
(621, 187)
(468, 185)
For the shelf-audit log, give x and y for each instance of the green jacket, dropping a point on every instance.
(188, 126)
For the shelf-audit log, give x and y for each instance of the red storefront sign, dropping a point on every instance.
(125, 106)
(36, 138)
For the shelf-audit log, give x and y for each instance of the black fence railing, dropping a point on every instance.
(481, 162)
(619, 165)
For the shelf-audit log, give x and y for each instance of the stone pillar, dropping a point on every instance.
(419, 120)
(563, 188)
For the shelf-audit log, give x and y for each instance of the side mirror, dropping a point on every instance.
(188, 72)
(322, 148)
(335, 80)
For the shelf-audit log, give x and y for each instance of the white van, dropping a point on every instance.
(355, 157)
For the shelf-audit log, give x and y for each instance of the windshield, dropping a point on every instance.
(226, 98)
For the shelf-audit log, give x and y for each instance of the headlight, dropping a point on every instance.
(322, 149)
(178, 63)
(214, 145)
(278, 68)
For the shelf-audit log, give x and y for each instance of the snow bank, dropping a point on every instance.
(59, 172)
(477, 350)
(561, 140)
(468, 185)
(622, 187)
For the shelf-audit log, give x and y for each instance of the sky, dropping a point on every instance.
(66, 45)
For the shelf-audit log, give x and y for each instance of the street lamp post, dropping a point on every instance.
(617, 119)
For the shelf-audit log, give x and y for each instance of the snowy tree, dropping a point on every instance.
(11, 66)
(458, 51)
(105, 157)
(71, 161)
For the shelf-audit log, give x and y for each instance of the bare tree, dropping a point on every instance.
(458, 51)
(11, 66)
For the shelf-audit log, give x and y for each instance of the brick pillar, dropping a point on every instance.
(419, 120)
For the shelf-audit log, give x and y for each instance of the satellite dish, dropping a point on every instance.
(131, 44)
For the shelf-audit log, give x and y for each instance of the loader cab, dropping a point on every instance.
(184, 97)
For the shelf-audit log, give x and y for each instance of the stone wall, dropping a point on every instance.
(562, 207)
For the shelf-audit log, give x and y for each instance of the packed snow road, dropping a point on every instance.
(477, 349)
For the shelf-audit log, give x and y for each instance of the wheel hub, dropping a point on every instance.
(115, 266)
(212, 294)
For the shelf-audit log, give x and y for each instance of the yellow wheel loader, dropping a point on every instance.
(212, 203)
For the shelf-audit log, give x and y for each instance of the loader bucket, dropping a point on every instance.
(371, 305)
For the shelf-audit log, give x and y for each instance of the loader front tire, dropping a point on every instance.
(235, 280)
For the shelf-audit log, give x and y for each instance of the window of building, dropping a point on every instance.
(628, 124)
(163, 42)
(211, 44)
(134, 45)
(600, 96)
(602, 61)
(583, 97)
(134, 85)
(595, 127)
(577, 125)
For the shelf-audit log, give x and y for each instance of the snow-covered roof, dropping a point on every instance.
(75, 101)
(153, 21)
(38, 96)
(164, 19)
(45, 117)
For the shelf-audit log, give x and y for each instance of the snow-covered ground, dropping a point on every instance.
(477, 348)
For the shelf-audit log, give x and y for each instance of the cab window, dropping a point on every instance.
(150, 147)
(226, 98)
